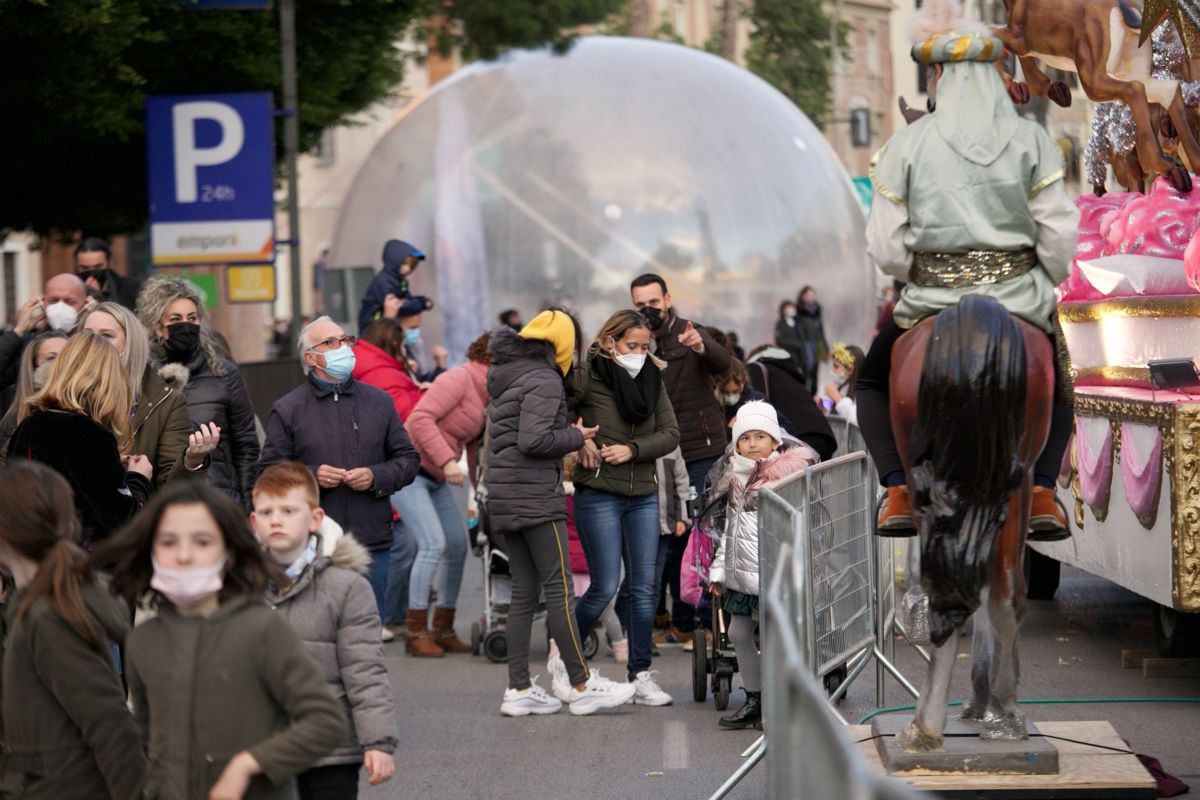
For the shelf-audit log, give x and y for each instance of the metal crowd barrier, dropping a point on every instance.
(831, 606)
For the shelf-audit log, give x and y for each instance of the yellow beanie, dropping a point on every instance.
(556, 328)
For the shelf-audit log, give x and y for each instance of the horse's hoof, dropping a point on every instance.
(1019, 92)
(1060, 93)
(915, 739)
(1099, 189)
(971, 712)
(1004, 727)
(1180, 178)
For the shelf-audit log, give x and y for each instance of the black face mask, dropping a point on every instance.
(183, 340)
(516, 326)
(101, 275)
(654, 317)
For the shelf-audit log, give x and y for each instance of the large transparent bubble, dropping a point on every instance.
(548, 178)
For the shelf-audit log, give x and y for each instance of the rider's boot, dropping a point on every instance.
(896, 518)
(1047, 521)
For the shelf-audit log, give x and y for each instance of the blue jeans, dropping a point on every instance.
(377, 575)
(400, 561)
(615, 528)
(435, 514)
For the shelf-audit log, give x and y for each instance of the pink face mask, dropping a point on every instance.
(187, 587)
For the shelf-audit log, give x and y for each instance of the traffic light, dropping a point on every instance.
(860, 127)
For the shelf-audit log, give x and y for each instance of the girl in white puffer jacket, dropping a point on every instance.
(760, 456)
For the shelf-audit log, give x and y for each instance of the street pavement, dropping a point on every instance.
(455, 745)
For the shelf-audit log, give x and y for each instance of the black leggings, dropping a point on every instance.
(875, 419)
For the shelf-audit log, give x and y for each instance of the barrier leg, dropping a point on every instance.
(756, 756)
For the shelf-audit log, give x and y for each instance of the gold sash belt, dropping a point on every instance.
(973, 268)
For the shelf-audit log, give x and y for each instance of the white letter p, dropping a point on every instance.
(188, 156)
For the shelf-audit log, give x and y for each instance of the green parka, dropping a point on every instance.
(657, 436)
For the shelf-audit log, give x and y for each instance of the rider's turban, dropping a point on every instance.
(958, 46)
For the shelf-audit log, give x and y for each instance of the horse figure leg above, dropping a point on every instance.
(926, 731)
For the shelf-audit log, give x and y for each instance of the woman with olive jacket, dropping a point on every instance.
(616, 489)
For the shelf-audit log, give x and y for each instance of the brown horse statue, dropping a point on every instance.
(1099, 40)
(971, 392)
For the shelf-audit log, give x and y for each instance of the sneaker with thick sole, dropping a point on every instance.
(523, 702)
(896, 518)
(560, 683)
(1047, 519)
(647, 692)
(599, 693)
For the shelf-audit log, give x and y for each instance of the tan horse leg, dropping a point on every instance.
(1182, 121)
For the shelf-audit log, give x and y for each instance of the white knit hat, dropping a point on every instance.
(757, 416)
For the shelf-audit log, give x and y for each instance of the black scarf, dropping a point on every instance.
(637, 398)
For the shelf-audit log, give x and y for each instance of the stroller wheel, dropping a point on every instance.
(591, 645)
(835, 679)
(700, 667)
(476, 638)
(495, 646)
(724, 684)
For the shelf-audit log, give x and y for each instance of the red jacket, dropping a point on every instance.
(449, 418)
(373, 366)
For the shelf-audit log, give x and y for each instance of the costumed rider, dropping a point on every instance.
(969, 199)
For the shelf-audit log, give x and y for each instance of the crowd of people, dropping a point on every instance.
(141, 487)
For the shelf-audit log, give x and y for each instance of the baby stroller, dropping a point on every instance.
(713, 659)
(487, 635)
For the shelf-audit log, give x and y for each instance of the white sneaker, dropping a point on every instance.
(386, 635)
(599, 693)
(523, 702)
(647, 692)
(560, 683)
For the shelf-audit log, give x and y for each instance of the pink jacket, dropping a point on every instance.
(449, 417)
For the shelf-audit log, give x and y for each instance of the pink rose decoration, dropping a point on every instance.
(1159, 224)
(1094, 213)
(1191, 263)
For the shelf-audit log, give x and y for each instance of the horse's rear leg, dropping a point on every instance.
(1005, 603)
(982, 655)
(925, 732)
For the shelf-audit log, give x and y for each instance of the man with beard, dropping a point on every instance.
(93, 265)
(694, 360)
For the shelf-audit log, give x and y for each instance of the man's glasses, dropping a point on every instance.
(334, 342)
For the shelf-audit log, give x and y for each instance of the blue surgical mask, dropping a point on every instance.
(339, 363)
(412, 336)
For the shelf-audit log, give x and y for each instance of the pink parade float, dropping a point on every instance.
(1132, 476)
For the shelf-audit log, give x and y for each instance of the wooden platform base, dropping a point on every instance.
(1085, 771)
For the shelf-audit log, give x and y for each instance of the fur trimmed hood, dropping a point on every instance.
(341, 549)
(174, 375)
(507, 346)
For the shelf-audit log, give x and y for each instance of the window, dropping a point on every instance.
(873, 50)
(10, 286)
(324, 153)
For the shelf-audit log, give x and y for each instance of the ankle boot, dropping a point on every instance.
(420, 640)
(748, 716)
(443, 632)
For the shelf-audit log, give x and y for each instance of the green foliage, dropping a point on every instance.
(77, 72)
(790, 48)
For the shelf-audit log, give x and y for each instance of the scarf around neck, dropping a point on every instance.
(637, 398)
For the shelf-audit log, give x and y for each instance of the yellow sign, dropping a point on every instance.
(250, 284)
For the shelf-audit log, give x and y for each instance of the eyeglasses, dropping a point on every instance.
(334, 342)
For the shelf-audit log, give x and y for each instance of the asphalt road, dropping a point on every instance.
(455, 745)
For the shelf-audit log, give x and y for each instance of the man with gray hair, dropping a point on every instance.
(349, 435)
(63, 299)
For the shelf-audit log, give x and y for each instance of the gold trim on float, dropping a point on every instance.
(1180, 425)
(1125, 376)
(879, 187)
(1045, 182)
(1129, 307)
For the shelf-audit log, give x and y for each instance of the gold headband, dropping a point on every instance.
(843, 356)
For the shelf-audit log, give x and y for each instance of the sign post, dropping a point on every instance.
(211, 167)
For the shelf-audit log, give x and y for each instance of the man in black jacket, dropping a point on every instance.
(93, 265)
(694, 362)
(349, 434)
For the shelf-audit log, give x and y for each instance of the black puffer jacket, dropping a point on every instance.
(222, 399)
(527, 434)
(689, 380)
(775, 374)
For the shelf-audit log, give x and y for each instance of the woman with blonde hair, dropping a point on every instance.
(160, 427)
(79, 425)
(616, 487)
(181, 343)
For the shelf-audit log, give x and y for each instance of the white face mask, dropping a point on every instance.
(732, 400)
(632, 363)
(187, 587)
(60, 316)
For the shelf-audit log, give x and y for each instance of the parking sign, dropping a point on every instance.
(211, 167)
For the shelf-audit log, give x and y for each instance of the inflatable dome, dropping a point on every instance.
(546, 179)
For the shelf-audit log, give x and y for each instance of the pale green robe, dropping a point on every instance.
(929, 198)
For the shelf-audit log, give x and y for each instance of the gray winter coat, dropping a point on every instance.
(332, 608)
(528, 434)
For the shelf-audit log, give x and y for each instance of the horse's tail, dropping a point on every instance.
(964, 452)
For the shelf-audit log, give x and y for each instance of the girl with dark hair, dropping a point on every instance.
(257, 708)
(528, 436)
(67, 731)
(380, 359)
(811, 330)
(616, 489)
(839, 396)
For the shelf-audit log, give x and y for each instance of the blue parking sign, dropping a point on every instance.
(211, 169)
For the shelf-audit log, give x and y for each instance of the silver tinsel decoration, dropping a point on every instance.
(1167, 53)
(1191, 93)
